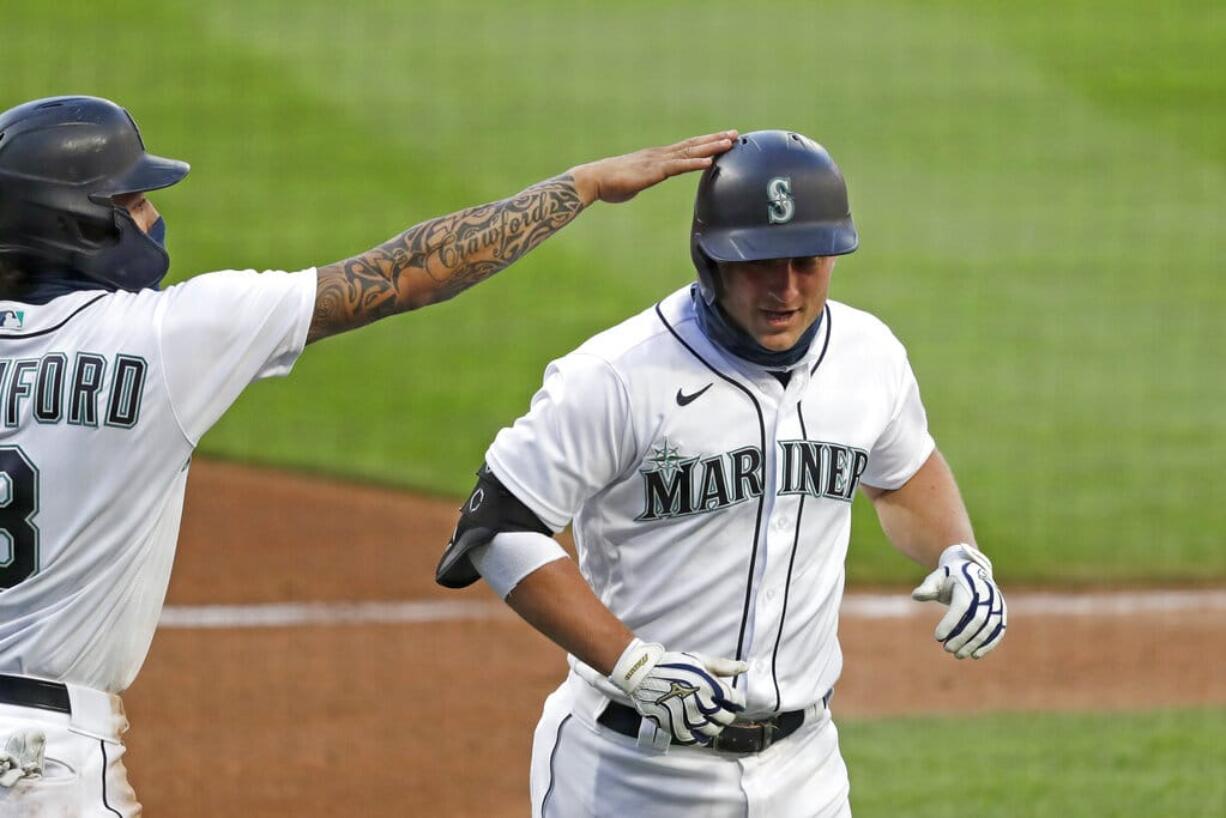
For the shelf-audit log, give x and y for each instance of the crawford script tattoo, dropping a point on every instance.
(438, 259)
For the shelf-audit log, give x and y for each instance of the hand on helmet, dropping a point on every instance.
(619, 178)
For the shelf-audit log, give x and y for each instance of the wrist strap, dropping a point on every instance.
(962, 551)
(636, 661)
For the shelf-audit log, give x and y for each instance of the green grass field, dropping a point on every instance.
(1039, 188)
(1136, 765)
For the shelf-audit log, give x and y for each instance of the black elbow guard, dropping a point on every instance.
(489, 510)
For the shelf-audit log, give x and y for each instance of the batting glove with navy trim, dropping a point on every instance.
(977, 617)
(683, 693)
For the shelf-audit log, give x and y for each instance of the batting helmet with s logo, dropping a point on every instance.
(775, 194)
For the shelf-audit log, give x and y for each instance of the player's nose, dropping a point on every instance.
(785, 280)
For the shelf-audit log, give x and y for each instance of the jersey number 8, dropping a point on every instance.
(18, 505)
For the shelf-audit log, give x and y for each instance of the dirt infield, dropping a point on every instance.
(436, 719)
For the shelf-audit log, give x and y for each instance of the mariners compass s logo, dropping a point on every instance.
(782, 206)
(665, 458)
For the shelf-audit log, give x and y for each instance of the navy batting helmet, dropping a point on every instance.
(775, 194)
(61, 161)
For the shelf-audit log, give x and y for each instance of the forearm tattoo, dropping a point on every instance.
(438, 259)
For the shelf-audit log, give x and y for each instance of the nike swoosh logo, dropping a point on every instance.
(683, 399)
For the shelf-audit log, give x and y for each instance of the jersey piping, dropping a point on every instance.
(49, 330)
(753, 559)
(105, 763)
(557, 742)
(787, 587)
(826, 343)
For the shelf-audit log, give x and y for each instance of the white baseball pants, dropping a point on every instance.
(83, 774)
(581, 769)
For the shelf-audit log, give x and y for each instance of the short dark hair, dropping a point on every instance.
(13, 279)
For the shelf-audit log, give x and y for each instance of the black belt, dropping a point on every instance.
(26, 692)
(738, 737)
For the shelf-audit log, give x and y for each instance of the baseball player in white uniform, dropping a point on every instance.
(706, 453)
(107, 384)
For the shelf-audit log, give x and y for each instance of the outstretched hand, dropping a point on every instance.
(977, 616)
(619, 178)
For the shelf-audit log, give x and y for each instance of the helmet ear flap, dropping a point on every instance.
(708, 272)
(709, 282)
(96, 233)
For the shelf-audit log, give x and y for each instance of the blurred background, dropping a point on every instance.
(1040, 190)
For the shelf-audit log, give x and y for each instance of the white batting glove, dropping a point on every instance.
(22, 757)
(683, 693)
(978, 615)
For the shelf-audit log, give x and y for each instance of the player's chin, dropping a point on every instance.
(779, 336)
(776, 342)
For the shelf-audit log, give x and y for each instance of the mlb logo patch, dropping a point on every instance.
(12, 319)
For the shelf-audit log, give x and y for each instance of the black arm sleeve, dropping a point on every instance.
(489, 510)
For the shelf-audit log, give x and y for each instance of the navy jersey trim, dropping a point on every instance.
(105, 763)
(826, 343)
(753, 559)
(73, 315)
(557, 742)
(787, 587)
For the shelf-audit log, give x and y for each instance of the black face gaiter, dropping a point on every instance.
(138, 268)
(724, 332)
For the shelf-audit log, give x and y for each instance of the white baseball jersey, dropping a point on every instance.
(711, 505)
(103, 397)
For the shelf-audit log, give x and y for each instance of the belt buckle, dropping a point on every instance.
(745, 737)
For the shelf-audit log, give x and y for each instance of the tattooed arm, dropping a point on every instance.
(440, 258)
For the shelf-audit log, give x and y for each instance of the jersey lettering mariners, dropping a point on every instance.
(711, 503)
(674, 487)
(103, 397)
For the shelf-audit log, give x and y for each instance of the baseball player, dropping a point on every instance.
(706, 453)
(107, 384)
